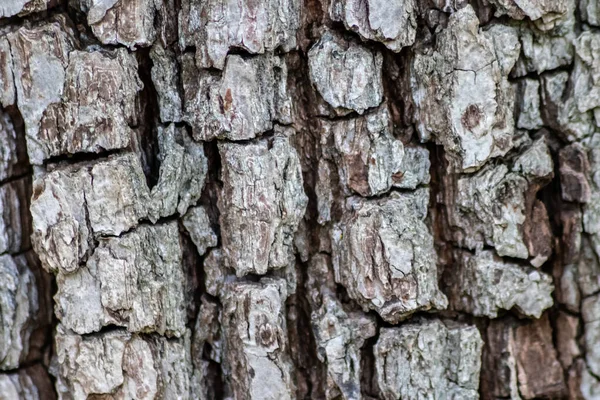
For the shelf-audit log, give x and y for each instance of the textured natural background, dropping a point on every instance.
(299, 199)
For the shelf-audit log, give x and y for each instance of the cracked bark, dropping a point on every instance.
(320, 199)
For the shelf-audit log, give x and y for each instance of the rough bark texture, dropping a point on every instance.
(299, 199)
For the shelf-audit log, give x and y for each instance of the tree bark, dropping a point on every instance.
(289, 199)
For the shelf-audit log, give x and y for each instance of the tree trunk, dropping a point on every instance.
(336, 199)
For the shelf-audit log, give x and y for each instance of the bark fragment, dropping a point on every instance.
(367, 155)
(529, 105)
(339, 333)
(97, 106)
(591, 210)
(183, 169)
(482, 284)
(31, 383)
(462, 96)
(166, 79)
(261, 203)
(547, 10)
(383, 254)
(80, 101)
(11, 8)
(207, 335)
(346, 74)
(13, 151)
(572, 101)
(73, 205)
(70, 205)
(428, 359)
(135, 281)
(392, 23)
(126, 22)
(496, 206)
(36, 87)
(240, 103)
(256, 343)
(197, 224)
(547, 43)
(590, 311)
(590, 11)
(24, 309)
(216, 26)
(117, 365)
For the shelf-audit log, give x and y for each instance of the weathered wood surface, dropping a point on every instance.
(290, 199)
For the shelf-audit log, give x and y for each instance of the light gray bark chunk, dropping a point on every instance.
(31, 383)
(216, 26)
(506, 45)
(79, 101)
(324, 191)
(462, 95)
(586, 74)
(529, 105)
(240, 103)
(261, 203)
(590, 311)
(257, 364)
(10, 8)
(415, 167)
(590, 11)
(547, 10)
(13, 153)
(590, 385)
(547, 44)
(74, 204)
(126, 22)
(197, 224)
(587, 270)
(22, 298)
(483, 284)
(367, 155)
(207, 331)
(217, 274)
(574, 101)
(383, 254)
(183, 168)
(108, 197)
(491, 206)
(119, 365)
(39, 57)
(62, 235)
(7, 81)
(561, 109)
(393, 23)
(118, 196)
(165, 76)
(591, 210)
(339, 333)
(135, 281)
(428, 360)
(347, 75)
(340, 337)
(98, 103)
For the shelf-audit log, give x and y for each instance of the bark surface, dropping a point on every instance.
(299, 199)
